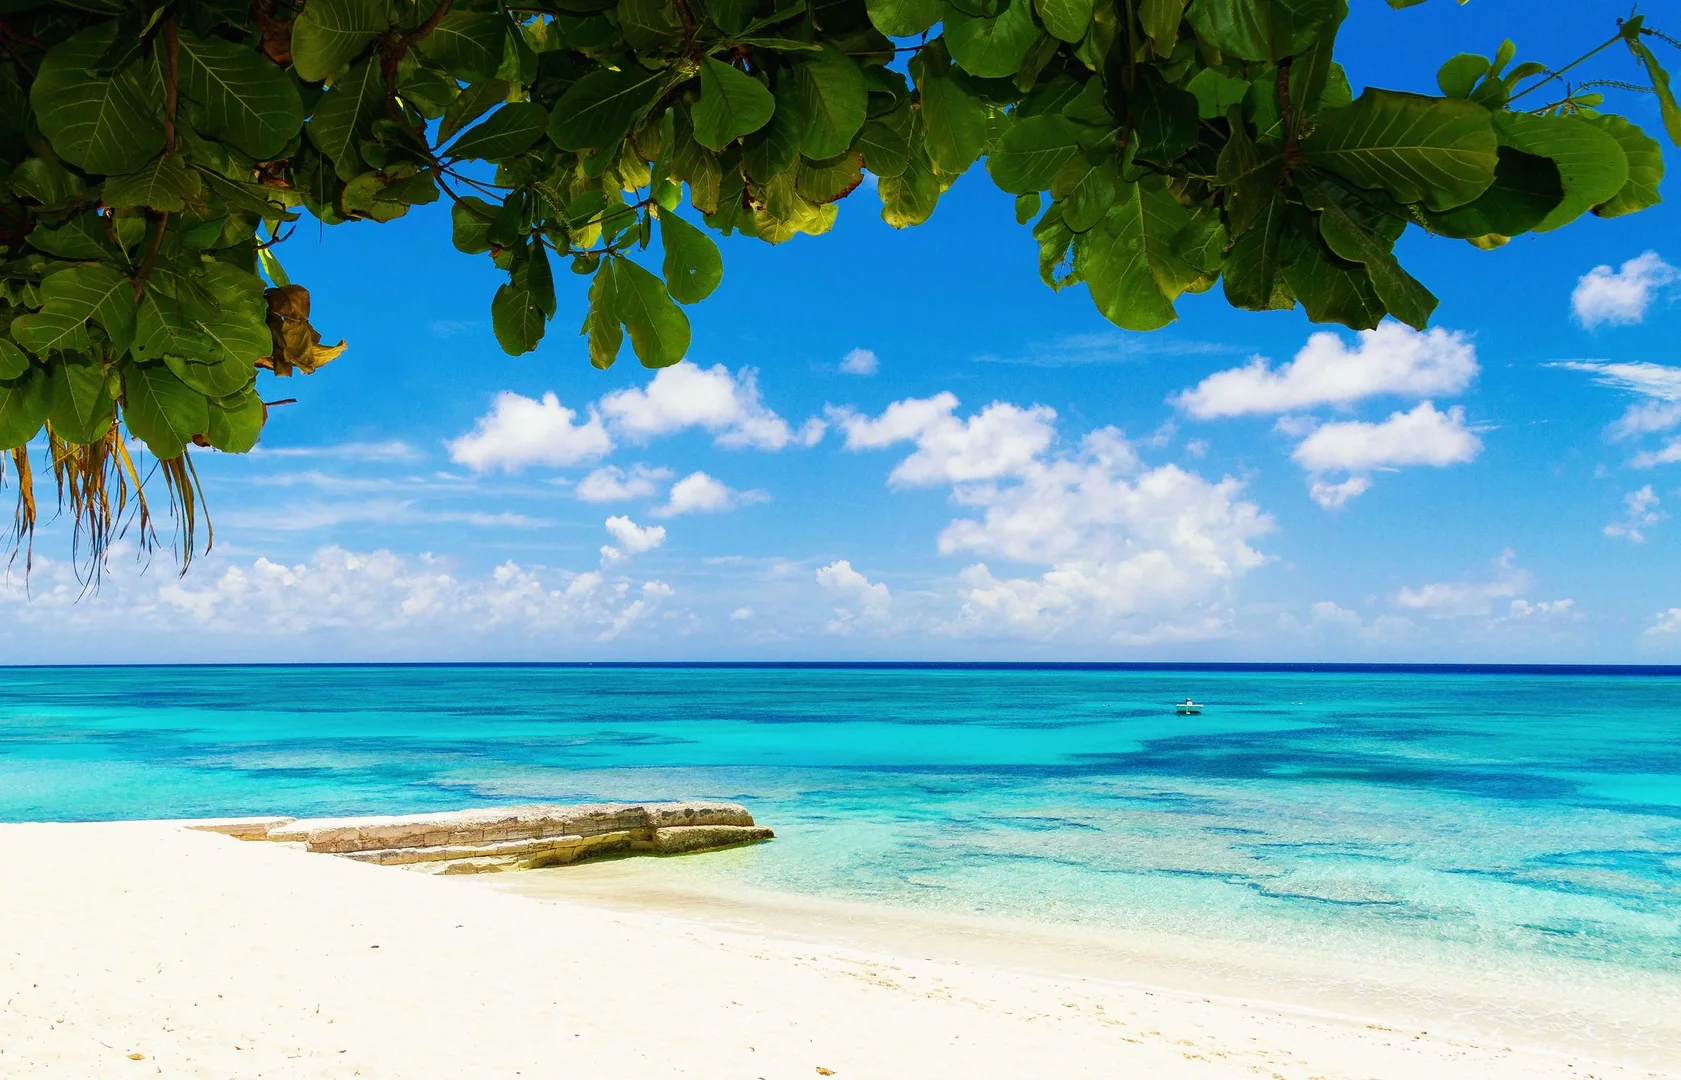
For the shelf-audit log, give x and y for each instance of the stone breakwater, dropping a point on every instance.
(509, 837)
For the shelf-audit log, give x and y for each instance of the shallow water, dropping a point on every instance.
(1482, 817)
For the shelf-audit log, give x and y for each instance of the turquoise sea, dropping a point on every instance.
(1424, 812)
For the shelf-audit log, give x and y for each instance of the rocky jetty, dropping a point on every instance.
(509, 837)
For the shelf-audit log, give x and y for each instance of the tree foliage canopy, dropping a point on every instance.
(153, 155)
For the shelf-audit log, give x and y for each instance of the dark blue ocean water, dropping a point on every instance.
(1497, 812)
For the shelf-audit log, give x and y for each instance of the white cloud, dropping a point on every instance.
(1665, 622)
(389, 450)
(1001, 440)
(1640, 511)
(686, 395)
(318, 514)
(1620, 297)
(1502, 590)
(859, 362)
(1658, 385)
(1422, 436)
(1392, 359)
(610, 483)
(1336, 496)
(865, 603)
(1667, 454)
(741, 614)
(700, 493)
(634, 538)
(521, 431)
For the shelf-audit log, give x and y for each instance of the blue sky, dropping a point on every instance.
(1001, 474)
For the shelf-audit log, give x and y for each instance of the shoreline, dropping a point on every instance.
(210, 956)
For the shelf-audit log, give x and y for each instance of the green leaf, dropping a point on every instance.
(329, 34)
(773, 149)
(823, 182)
(236, 422)
(516, 316)
(1331, 290)
(732, 104)
(470, 224)
(903, 18)
(103, 123)
(1216, 92)
(1439, 152)
(23, 408)
(1459, 75)
(216, 379)
(1129, 261)
(161, 410)
(693, 267)
(1164, 117)
(833, 103)
(1660, 86)
(343, 116)
(659, 331)
(909, 198)
(1161, 19)
(1351, 241)
(885, 141)
(1253, 273)
(473, 102)
(79, 401)
(602, 323)
(954, 121)
(1027, 207)
(1526, 189)
(1591, 163)
(216, 315)
(991, 48)
(242, 97)
(1067, 19)
(164, 184)
(650, 26)
(1032, 151)
(70, 298)
(1056, 240)
(13, 360)
(467, 44)
(1645, 169)
(512, 129)
(1086, 189)
(1267, 30)
(599, 109)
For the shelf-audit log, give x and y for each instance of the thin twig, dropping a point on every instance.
(1560, 72)
(172, 80)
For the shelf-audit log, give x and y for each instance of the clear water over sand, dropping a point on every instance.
(1512, 821)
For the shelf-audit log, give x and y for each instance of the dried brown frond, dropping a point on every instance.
(23, 518)
(186, 494)
(94, 485)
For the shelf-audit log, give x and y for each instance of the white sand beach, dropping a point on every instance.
(142, 949)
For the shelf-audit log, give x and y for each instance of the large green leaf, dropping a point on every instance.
(1261, 29)
(214, 315)
(81, 407)
(241, 97)
(954, 120)
(516, 317)
(23, 407)
(473, 102)
(329, 34)
(1164, 117)
(1086, 188)
(1350, 240)
(70, 299)
(1332, 290)
(1667, 106)
(991, 48)
(1591, 163)
(885, 141)
(599, 109)
(1161, 19)
(14, 362)
(833, 103)
(1031, 152)
(1645, 168)
(1066, 19)
(214, 380)
(344, 115)
(903, 18)
(510, 130)
(602, 324)
(821, 182)
(100, 122)
(1526, 189)
(659, 331)
(161, 410)
(468, 44)
(470, 220)
(693, 267)
(732, 104)
(1130, 260)
(1435, 151)
(1253, 274)
(165, 183)
(773, 149)
(236, 422)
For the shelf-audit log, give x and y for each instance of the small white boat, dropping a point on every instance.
(1188, 708)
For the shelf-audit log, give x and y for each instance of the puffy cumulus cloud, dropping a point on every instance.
(859, 362)
(252, 609)
(629, 539)
(610, 483)
(1640, 512)
(1665, 622)
(998, 441)
(1336, 496)
(1500, 595)
(1392, 359)
(686, 395)
(699, 493)
(520, 431)
(864, 604)
(1620, 297)
(1421, 436)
